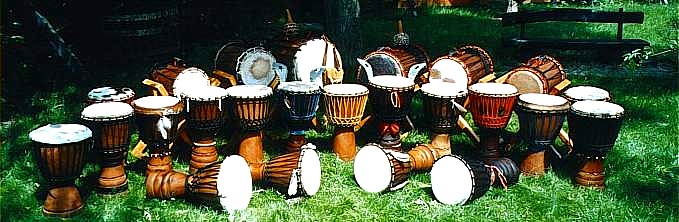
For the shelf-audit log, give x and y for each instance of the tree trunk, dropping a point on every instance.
(343, 28)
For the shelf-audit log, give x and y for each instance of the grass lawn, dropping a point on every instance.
(642, 170)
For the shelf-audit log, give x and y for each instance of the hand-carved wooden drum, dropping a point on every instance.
(550, 68)
(390, 97)
(300, 102)
(189, 79)
(205, 111)
(527, 80)
(455, 180)
(297, 173)
(442, 102)
(476, 60)
(156, 118)
(540, 118)
(60, 151)
(227, 183)
(398, 61)
(110, 94)
(377, 169)
(491, 106)
(593, 127)
(110, 123)
(251, 107)
(582, 93)
(344, 105)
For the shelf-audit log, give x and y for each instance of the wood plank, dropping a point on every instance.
(578, 43)
(571, 15)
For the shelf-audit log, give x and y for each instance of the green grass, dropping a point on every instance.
(642, 169)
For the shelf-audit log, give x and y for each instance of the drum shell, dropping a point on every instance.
(251, 113)
(62, 163)
(440, 111)
(300, 106)
(166, 75)
(509, 170)
(383, 104)
(203, 183)
(345, 110)
(111, 138)
(550, 68)
(477, 61)
(148, 129)
(205, 114)
(540, 127)
(592, 137)
(278, 171)
(491, 111)
(405, 58)
(400, 171)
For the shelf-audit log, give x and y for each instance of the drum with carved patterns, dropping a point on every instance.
(344, 105)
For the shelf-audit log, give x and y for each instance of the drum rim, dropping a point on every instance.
(271, 75)
(618, 115)
(317, 89)
(384, 185)
(127, 94)
(86, 131)
(167, 110)
(216, 97)
(129, 112)
(562, 71)
(473, 49)
(434, 95)
(570, 96)
(535, 72)
(268, 93)
(390, 88)
(364, 90)
(450, 57)
(384, 51)
(187, 70)
(472, 91)
(542, 108)
(226, 195)
(313, 189)
(472, 188)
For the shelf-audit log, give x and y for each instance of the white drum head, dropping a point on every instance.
(234, 184)
(493, 88)
(542, 99)
(345, 89)
(57, 134)
(310, 165)
(206, 93)
(444, 89)
(107, 110)
(255, 66)
(372, 169)
(451, 181)
(156, 102)
(448, 70)
(188, 80)
(580, 93)
(598, 108)
(298, 86)
(310, 57)
(392, 81)
(243, 91)
(102, 93)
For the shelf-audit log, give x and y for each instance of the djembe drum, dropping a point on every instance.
(251, 107)
(60, 151)
(477, 60)
(157, 118)
(227, 183)
(589, 93)
(550, 68)
(110, 123)
(344, 105)
(540, 118)
(377, 169)
(442, 103)
(491, 106)
(300, 102)
(527, 80)
(205, 113)
(110, 94)
(296, 173)
(390, 97)
(593, 127)
(455, 180)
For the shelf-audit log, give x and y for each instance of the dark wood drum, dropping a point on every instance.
(297, 173)
(491, 106)
(205, 112)
(377, 169)
(157, 118)
(457, 181)
(390, 97)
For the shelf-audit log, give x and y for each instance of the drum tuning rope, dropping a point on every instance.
(498, 175)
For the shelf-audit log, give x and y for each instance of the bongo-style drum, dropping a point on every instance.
(400, 61)
(205, 112)
(189, 79)
(527, 80)
(441, 104)
(491, 106)
(300, 102)
(457, 181)
(297, 173)
(344, 105)
(583, 93)
(226, 183)
(593, 126)
(110, 94)
(549, 68)
(110, 123)
(60, 153)
(251, 108)
(377, 169)
(540, 118)
(390, 99)
(157, 118)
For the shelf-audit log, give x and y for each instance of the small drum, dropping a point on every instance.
(157, 118)
(251, 106)
(345, 103)
(540, 117)
(455, 180)
(227, 183)
(593, 126)
(391, 96)
(438, 104)
(550, 68)
(205, 112)
(527, 80)
(491, 104)
(60, 153)
(398, 61)
(188, 80)
(110, 123)
(110, 94)
(582, 93)
(377, 169)
(298, 173)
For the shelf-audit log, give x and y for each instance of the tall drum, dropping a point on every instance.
(344, 106)
(390, 98)
(110, 94)
(60, 151)
(205, 112)
(377, 169)
(110, 123)
(442, 103)
(300, 102)
(593, 126)
(157, 118)
(491, 106)
(251, 107)
(540, 118)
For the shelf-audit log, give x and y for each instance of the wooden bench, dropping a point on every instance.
(619, 44)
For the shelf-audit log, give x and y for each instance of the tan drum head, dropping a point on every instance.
(451, 180)
(580, 93)
(493, 88)
(310, 167)
(450, 70)
(188, 80)
(234, 184)
(249, 91)
(538, 101)
(444, 90)
(527, 80)
(597, 109)
(255, 66)
(345, 89)
(372, 169)
(57, 134)
(107, 110)
(310, 57)
(392, 81)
